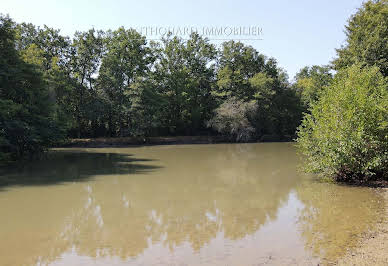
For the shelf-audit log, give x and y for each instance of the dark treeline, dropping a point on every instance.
(116, 84)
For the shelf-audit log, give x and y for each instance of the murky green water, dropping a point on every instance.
(226, 204)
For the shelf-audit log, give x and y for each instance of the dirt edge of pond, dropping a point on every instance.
(136, 141)
(373, 247)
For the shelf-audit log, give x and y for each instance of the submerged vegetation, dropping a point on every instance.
(117, 84)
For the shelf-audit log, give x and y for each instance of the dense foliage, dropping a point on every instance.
(345, 134)
(367, 37)
(27, 116)
(311, 81)
(116, 84)
(247, 75)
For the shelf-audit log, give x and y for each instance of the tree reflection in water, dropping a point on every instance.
(179, 196)
(196, 195)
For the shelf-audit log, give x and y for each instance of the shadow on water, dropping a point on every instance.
(207, 203)
(71, 166)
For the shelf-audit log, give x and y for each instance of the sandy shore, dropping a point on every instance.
(373, 249)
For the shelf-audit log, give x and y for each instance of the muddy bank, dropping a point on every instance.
(134, 141)
(373, 248)
(130, 141)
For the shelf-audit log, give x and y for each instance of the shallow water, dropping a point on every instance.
(224, 204)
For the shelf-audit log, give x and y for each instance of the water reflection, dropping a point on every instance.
(66, 166)
(201, 204)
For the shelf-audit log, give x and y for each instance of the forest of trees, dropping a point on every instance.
(117, 84)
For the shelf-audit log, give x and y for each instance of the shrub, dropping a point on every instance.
(346, 135)
(232, 118)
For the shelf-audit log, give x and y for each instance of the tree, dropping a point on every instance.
(145, 109)
(346, 135)
(126, 59)
(54, 47)
(50, 52)
(232, 118)
(367, 38)
(311, 81)
(184, 73)
(26, 121)
(250, 76)
(85, 62)
(238, 63)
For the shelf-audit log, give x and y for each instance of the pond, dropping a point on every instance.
(219, 204)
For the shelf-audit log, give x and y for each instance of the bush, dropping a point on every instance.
(346, 135)
(232, 118)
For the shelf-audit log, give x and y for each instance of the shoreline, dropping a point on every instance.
(373, 247)
(136, 141)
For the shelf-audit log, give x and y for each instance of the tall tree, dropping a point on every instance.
(185, 72)
(85, 62)
(311, 81)
(237, 64)
(50, 52)
(246, 74)
(127, 58)
(367, 38)
(26, 111)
